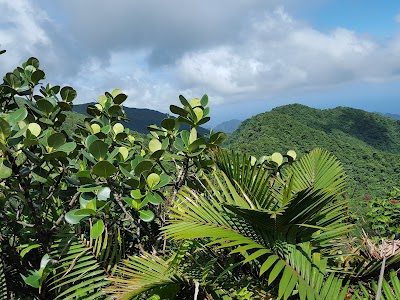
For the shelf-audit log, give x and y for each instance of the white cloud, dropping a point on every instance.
(155, 50)
(21, 30)
(278, 53)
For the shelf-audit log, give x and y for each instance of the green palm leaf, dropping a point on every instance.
(84, 265)
(3, 284)
(274, 239)
(151, 274)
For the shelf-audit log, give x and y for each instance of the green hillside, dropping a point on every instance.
(367, 144)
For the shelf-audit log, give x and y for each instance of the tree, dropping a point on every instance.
(71, 206)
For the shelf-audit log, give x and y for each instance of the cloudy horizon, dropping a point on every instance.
(248, 56)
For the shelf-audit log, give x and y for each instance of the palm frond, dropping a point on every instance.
(255, 180)
(265, 238)
(84, 265)
(3, 284)
(368, 290)
(151, 274)
(318, 170)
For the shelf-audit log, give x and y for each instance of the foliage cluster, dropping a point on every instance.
(384, 215)
(97, 213)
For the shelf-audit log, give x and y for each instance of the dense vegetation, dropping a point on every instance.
(93, 212)
(366, 143)
(138, 119)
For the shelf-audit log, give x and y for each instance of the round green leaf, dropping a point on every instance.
(168, 124)
(45, 106)
(76, 215)
(143, 166)
(193, 135)
(124, 152)
(95, 128)
(152, 180)
(154, 198)
(102, 100)
(164, 180)
(155, 145)
(5, 171)
(194, 102)
(97, 229)
(37, 76)
(106, 129)
(35, 129)
(98, 149)
(146, 215)
(56, 140)
(104, 169)
(277, 157)
(204, 100)
(292, 154)
(90, 139)
(120, 98)
(137, 194)
(68, 94)
(18, 115)
(67, 147)
(118, 128)
(116, 92)
(198, 112)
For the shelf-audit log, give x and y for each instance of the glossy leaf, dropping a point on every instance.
(146, 215)
(97, 229)
(154, 198)
(152, 180)
(68, 94)
(76, 215)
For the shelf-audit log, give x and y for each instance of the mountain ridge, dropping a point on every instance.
(368, 144)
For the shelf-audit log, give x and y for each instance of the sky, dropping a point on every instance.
(249, 56)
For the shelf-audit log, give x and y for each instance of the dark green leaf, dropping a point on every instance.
(68, 94)
(98, 149)
(104, 169)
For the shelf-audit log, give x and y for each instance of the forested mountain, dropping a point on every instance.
(228, 126)
(368, 144)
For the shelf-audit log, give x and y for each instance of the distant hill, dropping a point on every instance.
(139, 118)
(367, 144)
(228, 126)
(392, 116)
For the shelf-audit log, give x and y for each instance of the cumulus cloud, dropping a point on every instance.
(154, 50)
(278, 53)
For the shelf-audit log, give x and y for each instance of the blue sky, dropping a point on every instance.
(248, 56)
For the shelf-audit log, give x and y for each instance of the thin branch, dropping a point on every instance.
(62, 216)
(118, 199)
